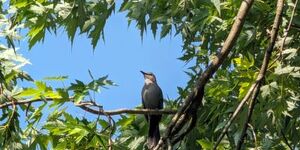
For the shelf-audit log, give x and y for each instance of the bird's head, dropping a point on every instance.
(149, 77)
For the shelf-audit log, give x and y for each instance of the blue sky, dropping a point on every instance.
(121, 56)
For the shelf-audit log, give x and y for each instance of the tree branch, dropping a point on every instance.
(250, 110)
(264, 67)
(256, 86)
(254, 136)
(195, 97)
(235, 113)
(128, 111)
(286, 140)
(191, 125)
(87, 107)
(288, 28)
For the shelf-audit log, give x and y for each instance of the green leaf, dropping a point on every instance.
(37, 114)
(135, 144)
(75, 131)
(95, 142)
(98, 30)
(20, 4)
(266, 143)
(205, 144)
(125, 121)
(37, 32)
(220, 126)
(56, 78)
(63, 93)
(244, 87)
(41, 86)
(217, 5)
(154, 29)
(88, 24)
(62, 145)
(165, 30)
(37, 8)
(103, 123)
(284, 70)
(71, 28)
(29, 92)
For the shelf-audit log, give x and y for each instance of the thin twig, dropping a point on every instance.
(288, 28)
(254, 136)
(10, 120)
(191, 125)
(235, 113)
(286, 140)
(112, 125)
(250, 110)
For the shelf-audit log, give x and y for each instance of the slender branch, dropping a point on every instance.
(286, 140)
(113, 127)
(178, 126)
(264, 67)
(87, 107)
(254, 136)
(250, 110)
(235, 113)
(191, 125)
(195, 97)
(288, 28)
(128, 111)
(10, 120)
(294, 26)
(256, 86)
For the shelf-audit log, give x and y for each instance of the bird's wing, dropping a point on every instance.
(161, 98)
(143, 98)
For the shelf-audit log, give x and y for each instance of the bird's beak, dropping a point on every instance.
(143, 72)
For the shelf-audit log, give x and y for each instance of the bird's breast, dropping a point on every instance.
(152, 96)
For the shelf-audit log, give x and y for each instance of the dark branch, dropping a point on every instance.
(235, 113)
(87, 107)
(245, 126)
(191, 125)
(128, 111)
(286, 140)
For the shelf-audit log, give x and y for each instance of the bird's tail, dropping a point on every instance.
(153, 134)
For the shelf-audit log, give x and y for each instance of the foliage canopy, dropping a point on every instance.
(203, 26)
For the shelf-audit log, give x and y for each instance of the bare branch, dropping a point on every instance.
(191, 125)
(87, 107)
(250, 110)
(256, 86)
(296, 27)
(129, 111)
(254, 136)
(288, 28)
(235, 113)
(286, 140)
(264, 67)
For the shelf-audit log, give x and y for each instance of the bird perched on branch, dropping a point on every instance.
(152, 98)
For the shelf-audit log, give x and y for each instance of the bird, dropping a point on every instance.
(152, 98)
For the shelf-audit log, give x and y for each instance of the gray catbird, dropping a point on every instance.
(152, 98)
